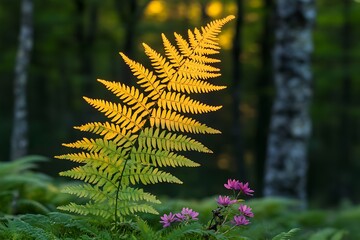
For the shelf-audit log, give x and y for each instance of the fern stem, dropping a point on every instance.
(117, 193)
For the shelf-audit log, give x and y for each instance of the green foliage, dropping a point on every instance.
(54, 225)
(286, 235)
(24, 191)
(328, 234)
(146, 128)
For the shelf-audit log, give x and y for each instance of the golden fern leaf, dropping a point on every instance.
(163, 68)
(184, 85)
(103, 146)
(142, 135)
(147, 79)
(119, 114)
(183, 45)
(176, 122)
(204, 59)
(172, 53)
(85, 157)
(131, 96)
(120, 136)
(182, 103)
(192, 73)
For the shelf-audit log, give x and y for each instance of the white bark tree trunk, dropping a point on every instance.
(19, 138)
(290, 127)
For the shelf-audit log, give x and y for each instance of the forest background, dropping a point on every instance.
(76, 42)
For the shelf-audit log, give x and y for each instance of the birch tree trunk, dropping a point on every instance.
(19, 138)
(290, 127)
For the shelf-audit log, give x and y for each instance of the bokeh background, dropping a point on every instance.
(76, 42)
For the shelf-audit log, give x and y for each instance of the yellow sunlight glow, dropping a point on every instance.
(214, 9)
(156, 9)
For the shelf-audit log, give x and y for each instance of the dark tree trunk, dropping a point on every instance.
(290, 127)
(129, 12)
(85, 28)
(344, 157)
(264, 87)
(236, 94)
(19, 137)
(204, 16)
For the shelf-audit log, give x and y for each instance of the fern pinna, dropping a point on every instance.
(147, 129)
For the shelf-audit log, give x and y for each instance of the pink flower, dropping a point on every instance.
(166, 220)
(225, 201)
(187, 214)
(232, 184)
(245, 189)
(246, 211)
(240, 220)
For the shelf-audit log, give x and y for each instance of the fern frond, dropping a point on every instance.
(185, 85)
(286, 235)
(141, 136)
(84, 157)
(172, 53)
(120, 136)
(181, 103)
(146, 232)
(121, 115)
(204, 59)
(91, 175)
(95, 193)
(147, 175)
(136, 194)
(131, 96)
(89, 191)
(162, 67)
(164, 140)
(92, 208)
(103, 146)
(147, 79)
(161, 158)
(175, 122)
(183, 45)
(190, 73)
(207, 41)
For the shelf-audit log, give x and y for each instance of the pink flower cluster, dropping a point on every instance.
(185, 215)
(241, 219)
(239, 186)
(245, 211)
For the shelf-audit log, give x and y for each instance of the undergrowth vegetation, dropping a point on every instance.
(272, 215)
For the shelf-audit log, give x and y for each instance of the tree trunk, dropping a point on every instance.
(290, 127)
(130, 13)
(344, 158)
(236, 94)
(86, 26)
(19, 136)
(264, 86)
